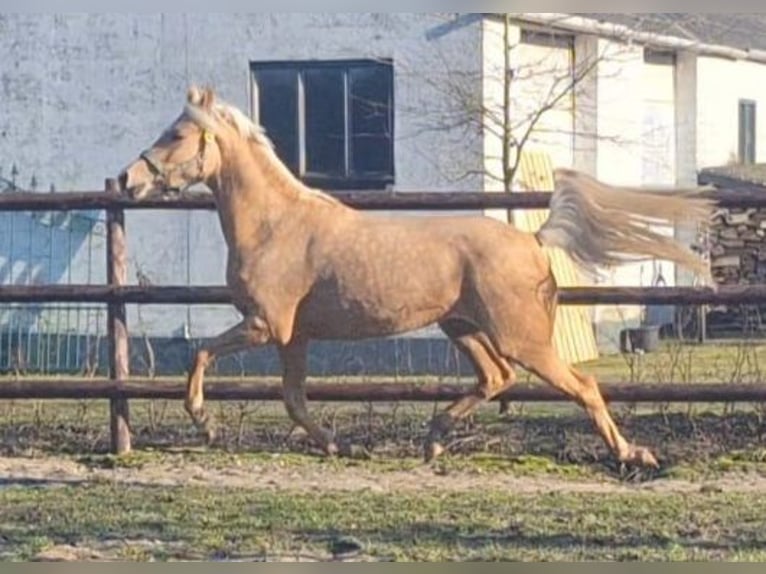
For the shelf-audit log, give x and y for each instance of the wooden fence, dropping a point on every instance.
(116, 294)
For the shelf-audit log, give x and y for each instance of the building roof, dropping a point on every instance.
(741, 31)
(734, 176)
(736, 36)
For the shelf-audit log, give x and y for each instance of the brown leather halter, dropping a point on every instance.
(161, 171)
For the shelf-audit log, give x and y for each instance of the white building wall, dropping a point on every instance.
(84, 94)
(686, 142)
(658, 140)
(493, 62)
(619, 104)
(721, 83)
(585, 153)
(542, 80)
(540, 73)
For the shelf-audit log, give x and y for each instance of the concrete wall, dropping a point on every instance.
(83, 94)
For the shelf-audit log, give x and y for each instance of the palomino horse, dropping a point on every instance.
(302, 265)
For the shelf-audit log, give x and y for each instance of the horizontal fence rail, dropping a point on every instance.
(227, 390)
(215, 295)
(368, 200)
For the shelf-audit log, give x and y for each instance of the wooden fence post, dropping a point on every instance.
(116, 275)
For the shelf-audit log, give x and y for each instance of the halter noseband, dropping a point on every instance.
(161, 171)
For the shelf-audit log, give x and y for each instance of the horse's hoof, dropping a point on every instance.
(433, 450)
(205, 426)
(210, 435)
(355, 451)
(640, 456)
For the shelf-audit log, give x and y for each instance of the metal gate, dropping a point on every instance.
(50, 247)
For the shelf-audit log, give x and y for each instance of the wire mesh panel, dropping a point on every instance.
(51, 247)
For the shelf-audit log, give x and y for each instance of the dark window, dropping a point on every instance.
(665, 57)
(551, 39)
(746, 131)
(331, 122)
(278, 101)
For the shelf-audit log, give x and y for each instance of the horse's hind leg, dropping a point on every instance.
(494, 375)
(584, 389)
(293, 358)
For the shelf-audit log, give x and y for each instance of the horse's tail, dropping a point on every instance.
(603, 225)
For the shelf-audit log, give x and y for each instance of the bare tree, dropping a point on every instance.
(536, 103)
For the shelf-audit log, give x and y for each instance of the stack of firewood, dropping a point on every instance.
(738, 246)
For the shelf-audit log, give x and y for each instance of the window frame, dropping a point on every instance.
(742, 135)
(370, 181)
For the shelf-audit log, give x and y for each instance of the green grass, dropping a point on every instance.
(740, 361)
(208, 523)
(720, 361)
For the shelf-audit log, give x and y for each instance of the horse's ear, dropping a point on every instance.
(208, 98)
(194, 95)
(202, 97)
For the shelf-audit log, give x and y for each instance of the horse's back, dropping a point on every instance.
(469, 238)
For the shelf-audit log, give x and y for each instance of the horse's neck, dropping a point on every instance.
(253, 196)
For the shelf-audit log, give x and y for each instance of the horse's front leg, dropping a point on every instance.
(293, 358)
(251, 331)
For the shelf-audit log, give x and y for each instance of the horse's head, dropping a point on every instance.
(185, 154)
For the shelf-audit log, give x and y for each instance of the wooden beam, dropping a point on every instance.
(222, 389)
(372, 200)
(738, 196)
(219, 294)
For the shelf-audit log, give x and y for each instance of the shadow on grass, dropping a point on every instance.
(481, 542)
(417, 540)
(25, 482)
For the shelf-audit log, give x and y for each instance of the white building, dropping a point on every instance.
(663, 96)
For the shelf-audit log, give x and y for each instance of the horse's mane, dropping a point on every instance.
(221, 111)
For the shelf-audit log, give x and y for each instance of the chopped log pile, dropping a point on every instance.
(738, 257)
(737, 246)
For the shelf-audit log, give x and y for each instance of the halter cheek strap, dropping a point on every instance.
(155, 165)
(161, 171)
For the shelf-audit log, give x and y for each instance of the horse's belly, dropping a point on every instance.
(388, 281)
(334, 315)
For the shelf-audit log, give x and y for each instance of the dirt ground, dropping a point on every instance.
(523, 452)
(314, 477)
